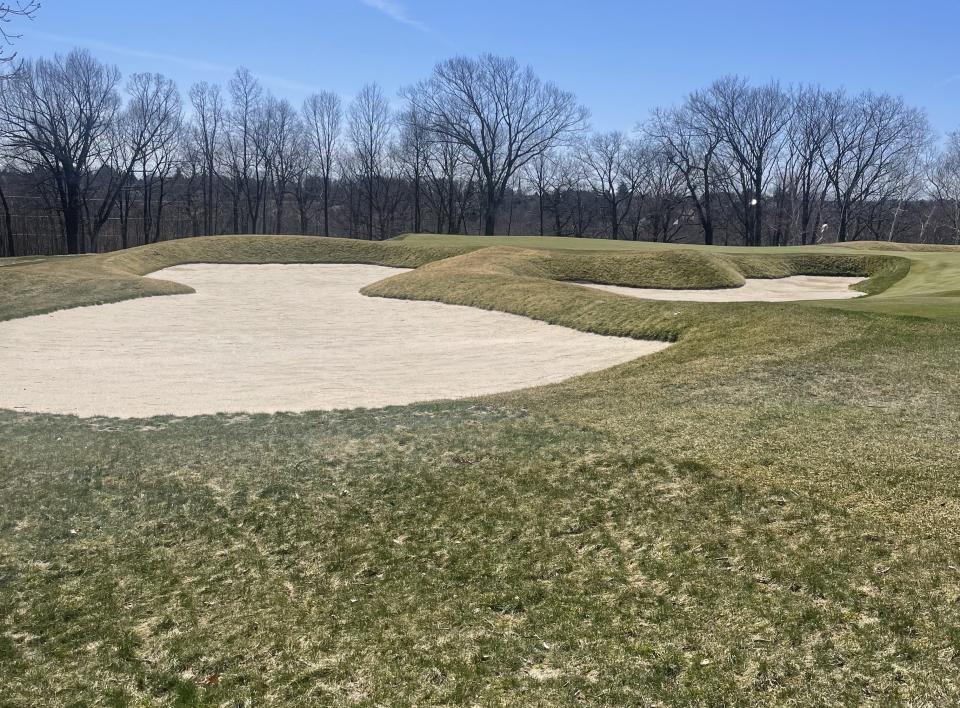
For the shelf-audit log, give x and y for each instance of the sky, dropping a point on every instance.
(620, 58)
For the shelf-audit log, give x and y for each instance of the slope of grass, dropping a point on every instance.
(528, 282)
(886, 263)
(765, 513)
(45, 285)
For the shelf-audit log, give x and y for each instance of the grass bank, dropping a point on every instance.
(44, 285)
(764, 513)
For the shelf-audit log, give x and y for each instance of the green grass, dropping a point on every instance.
(593, 244)
(765, 513)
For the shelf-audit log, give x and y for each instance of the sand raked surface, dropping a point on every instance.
(268, 338)
(789, 289)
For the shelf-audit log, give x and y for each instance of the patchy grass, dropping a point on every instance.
(766, 512)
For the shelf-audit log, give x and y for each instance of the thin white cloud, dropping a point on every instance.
(187, 62)
(197, 65)
(396, 12)
(284, 84)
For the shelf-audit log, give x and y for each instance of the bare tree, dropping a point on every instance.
(480, 135)
(806, 180)
(369, 127)
(413, 153)
(502, 112)
(869, 138)
(690, 143)
(541, 173)
(666, 213)
(11, 245)
(245, 142)
(10, 11)
(323, 117)
(154, 117)
(565, 198)
(304, 181)
(58, 114)
(143, 132)
(945, 183)
(450, 176)
(907, 183)
(208, 118)
(751, 121)
(613, 165)
(281, 160)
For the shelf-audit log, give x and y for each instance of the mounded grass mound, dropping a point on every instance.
(493, 288)
(277, 249)
(45, 285)
(55, 284)
(653, 269)
(530, 282)
(881, 271)
(670, 269)
(657, 269)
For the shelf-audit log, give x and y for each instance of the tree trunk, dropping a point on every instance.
(326, 205)
(540, 206)
(73, 221)
(451, 207)
(490, 213)
(842, 226)
(304, 219)
(147, 215)
(370, 210)
(236, 209)
(416, 203)
(708, 233)
(157, 223)
(208, 215)
(8, 223)
(805, 216)
(706, 215)
(123, 208)
(758, 211)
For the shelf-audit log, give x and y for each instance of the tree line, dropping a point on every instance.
(483, 145)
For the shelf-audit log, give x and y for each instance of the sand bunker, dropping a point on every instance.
(792, 288)
(270, 338)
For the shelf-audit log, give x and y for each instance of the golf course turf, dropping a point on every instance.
(766, 512)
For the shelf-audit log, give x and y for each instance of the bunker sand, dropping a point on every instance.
(789, 289)
(269, 338)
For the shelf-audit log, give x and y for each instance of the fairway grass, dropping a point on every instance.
(764, 513)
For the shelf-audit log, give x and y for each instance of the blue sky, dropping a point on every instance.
(620, 58)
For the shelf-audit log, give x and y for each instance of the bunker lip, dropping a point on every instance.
(794, 288)
(271, 338)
